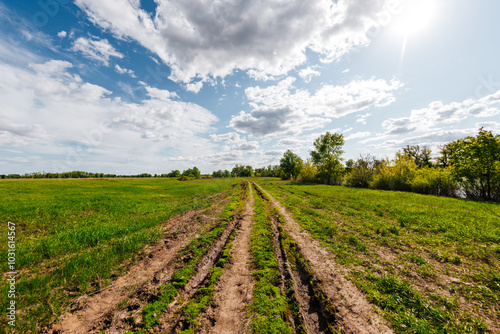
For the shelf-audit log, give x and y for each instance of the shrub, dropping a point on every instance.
(432, 181)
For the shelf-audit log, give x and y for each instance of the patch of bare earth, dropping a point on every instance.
(354, 314)
(101, 310)
(235, 288)
(171, 319)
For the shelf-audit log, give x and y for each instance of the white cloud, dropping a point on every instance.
(437, 113)
(282, 109)
(358, 135)
(73, 124)
(307, 73)
(269, 37)
(194, 87)
(122, 70)
(62, 34)
(160, 94)
(231, 137)
(96, 49)
(362, 118)
(236, 143)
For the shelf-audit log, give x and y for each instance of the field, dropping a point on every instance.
(255, 255)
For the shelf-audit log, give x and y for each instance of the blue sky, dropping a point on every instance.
(129, 86)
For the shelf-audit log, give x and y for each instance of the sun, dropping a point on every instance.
(415, 17)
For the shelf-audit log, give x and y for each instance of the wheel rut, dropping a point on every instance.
(328, 302)
(235, 288)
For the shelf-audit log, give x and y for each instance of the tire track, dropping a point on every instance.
(329, 302)
(235, 288)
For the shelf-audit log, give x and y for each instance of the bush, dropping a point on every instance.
(396, 177)
(360, 175)
(308, 173)
(432, 181)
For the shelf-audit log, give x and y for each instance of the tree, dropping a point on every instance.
(327, 158)
(174, 173)
(291, 165)
(361, 173)
(192, 172)
(242, 171)
(446, 152)
(421, 156)
(476, 165)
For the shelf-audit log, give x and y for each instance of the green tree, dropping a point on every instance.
(174, 173)
(476, 165)
(421, 156)
(327, 158)
(242, 171)
(361, 172)
(192, 172)
(291, 165)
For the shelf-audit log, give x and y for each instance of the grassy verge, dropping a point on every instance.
(430, 263)
(269, 307)
(74, 236)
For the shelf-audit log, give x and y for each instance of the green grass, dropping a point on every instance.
(269, 307)
(430, 263)
(74, 236)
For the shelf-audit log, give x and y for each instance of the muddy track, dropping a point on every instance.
(172, 319)
(235, 287)
(327, 301)
(94, 312)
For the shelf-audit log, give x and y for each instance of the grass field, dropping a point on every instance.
(432, 264)
(429, 264)
(74, 236)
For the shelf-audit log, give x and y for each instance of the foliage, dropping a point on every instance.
(361, 172)
(242, 171)
(308, 173)
(434, 181)
(476, 165)
(290, 164)
(397, 176)
(220, 173)
(327, 158)
(192, 172)
(269, 171)
(174, 173)
(421, 156)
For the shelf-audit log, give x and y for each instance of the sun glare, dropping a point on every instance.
(416, 16)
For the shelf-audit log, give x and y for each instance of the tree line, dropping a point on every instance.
(468, 167)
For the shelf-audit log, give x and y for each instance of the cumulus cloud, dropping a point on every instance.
(13, 133)
(62, 34)
(307, 73)
(235, 142)
(48, 109)
(438, 113)
(122, 70)
(282, 109)
(362, 118)
(231, 137)
(96, 49)
(213, 38)
(358, 135)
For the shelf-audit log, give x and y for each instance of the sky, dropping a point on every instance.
(133, 86)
